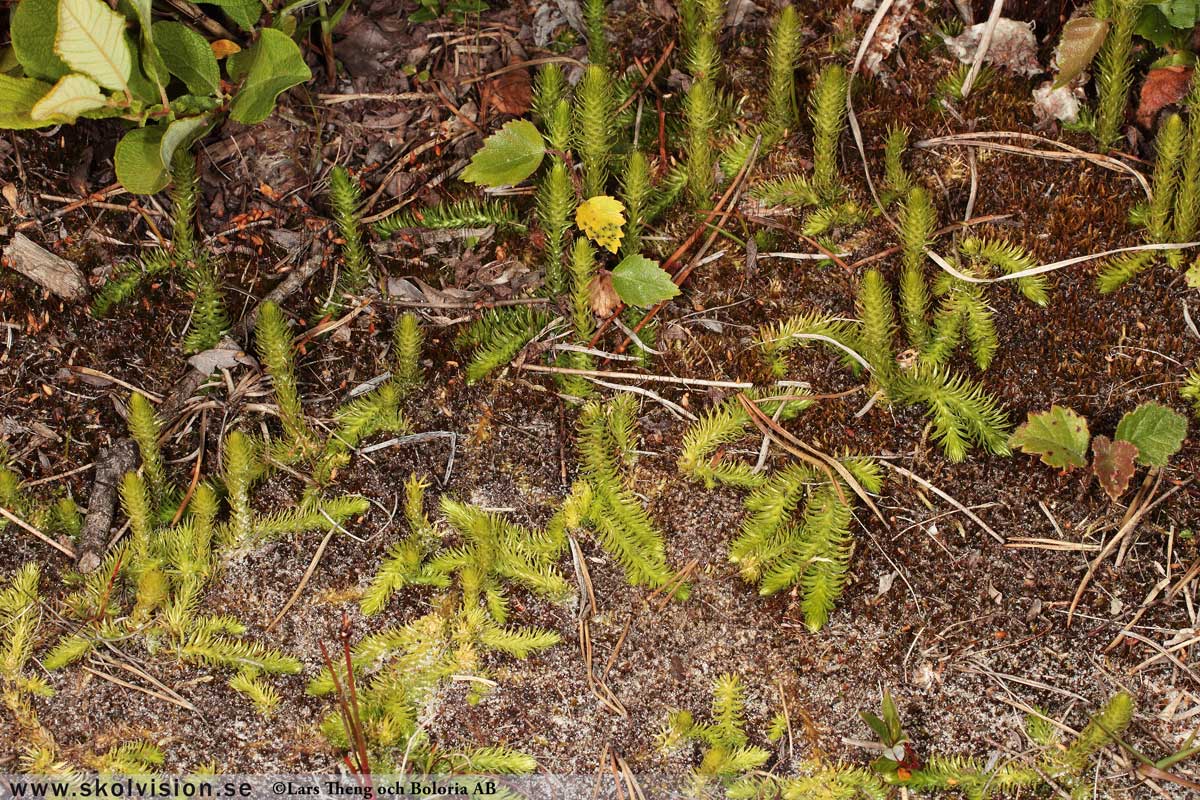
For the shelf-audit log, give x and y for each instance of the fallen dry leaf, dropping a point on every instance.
(1013, 46)
(223, 47)
(1163, 86)
(1113, 463)
(601, 295)
(1060, 103)
(887, 36)
(507, 93)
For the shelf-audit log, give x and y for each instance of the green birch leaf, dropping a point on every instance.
(17, 99)
(138, 160)
(640, 282)
(188, 57)
(1155, 430)
(508, 156)
(272, 66)
(33, 26)
(91, 39)
(1059, 436)
(71, 96)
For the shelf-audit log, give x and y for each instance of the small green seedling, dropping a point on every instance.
(1147, 436)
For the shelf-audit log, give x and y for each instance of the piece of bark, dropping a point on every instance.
(111, 467)
(45, 269)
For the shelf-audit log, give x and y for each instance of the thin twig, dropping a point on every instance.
(308, 573)
(1125, 530)
(966, 511)
(636, 376)
(985, 42)
(69, 552)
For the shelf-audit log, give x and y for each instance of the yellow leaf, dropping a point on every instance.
(602, 218)
(223, 47)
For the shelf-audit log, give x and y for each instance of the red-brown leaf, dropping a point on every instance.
(1113, 463)
(601, 294)
(1163, 86)
(509, 92)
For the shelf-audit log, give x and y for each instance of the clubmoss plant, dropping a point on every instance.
(816, 780)
(690, 15)
(1064, 767)
(380, 705)
(827, 110)
(128, 279)
(471, 565)
(963, 310)
(796, 531)
(249, 683)
(145, 428)
(667, 192)
(728, 754)
(950, 88)
(486, 553)
(824, 220)
(876, 324)
(961, 413)
(896, 180)
(184, 191)
(130, 758)
(498, 336)
(149, 588)
(583, 272)
(783, 52)
(595, 107)
(555, 208)
(185, 257)
(917, 222)
(1156, 217)
(377, 411)
(787, 190)
(165, 569)
(636, 190)
(701, 458)
(550, 87)
(1190, 390)
(594, 20)
(1186, 220)
(469, 213)
(209, 321)
(408, 342)
(275, 349)
(345, 198)
(781, 115)
(20, 626)
(811, 552)
(406, 563)
(1114, 69)
(602, 500)
(701, 104)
